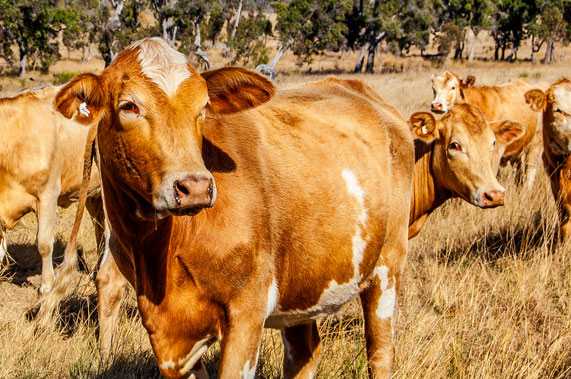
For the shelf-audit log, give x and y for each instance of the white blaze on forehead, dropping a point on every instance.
(165, 66)
(387, 301)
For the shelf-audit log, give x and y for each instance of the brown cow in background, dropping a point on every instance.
(555, 105)
(503, 102)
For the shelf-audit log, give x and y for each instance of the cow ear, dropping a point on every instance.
(507, 131)
(234, 89)
(536, 99)
(81, 98)
(423, 126)
(468, 81)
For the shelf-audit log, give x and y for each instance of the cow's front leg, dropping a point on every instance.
(240, 346)
(379, 301)
(301, 350)
(3, 244)
(46, 214)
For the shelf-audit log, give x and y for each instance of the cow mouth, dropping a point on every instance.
(185, 211)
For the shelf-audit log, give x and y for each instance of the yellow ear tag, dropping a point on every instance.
(424, 129)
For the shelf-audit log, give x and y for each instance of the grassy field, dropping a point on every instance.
(485, 293)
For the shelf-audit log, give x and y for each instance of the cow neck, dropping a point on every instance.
(146, 242)
(427, 193)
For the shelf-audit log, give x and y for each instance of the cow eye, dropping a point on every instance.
(455, 146)
(452, 88)
(493, 145)
(557, 110)
(130, 107)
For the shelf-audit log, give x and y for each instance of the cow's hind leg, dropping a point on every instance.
(46, 214)
(110, 285)
(301, 350)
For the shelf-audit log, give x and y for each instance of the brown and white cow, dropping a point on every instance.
(555, 103)
(457, 156)
(229, 214)
(503, 102)
(41, 154)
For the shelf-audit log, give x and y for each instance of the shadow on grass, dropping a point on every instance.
(520, 240)
(131, 367)
(25, 262)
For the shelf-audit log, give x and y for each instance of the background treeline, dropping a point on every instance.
(31, 31)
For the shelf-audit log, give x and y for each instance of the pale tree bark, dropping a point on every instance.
(168, 25)
(375, 40)
(473, 48)
(270, 71)
(228, 52)
(109, 29)
(549, 52)
(23, 59)
(199, 52)
(361, 58)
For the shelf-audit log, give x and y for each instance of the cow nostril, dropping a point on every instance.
(488, 197)
(180, 188)
(210, 191)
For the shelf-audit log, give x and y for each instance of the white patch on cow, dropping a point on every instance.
(3, 244)
(335, 295)
(83, 109)
(165, 66)
(424, 130)
(167, 365)
(387, 301)
(188, 362)
(247, 372)
(272, 298)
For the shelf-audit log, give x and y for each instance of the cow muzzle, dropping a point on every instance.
(437, 108)
(186, 194)
(490, 198)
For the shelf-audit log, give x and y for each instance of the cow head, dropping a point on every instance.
(447, 90)
(555, 104)
(151, 106)
(466, 152)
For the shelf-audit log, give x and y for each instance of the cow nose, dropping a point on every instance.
(194, 191)
(492, 198)
(436, 107)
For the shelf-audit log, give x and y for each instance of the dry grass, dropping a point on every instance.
(485, 293)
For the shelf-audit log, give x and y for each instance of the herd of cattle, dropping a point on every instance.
(231, 207)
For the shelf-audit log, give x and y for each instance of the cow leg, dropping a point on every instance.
(94, 206)
(46, 214)
(3, 244)
(110, 285)
(301, 350)
(532, 163)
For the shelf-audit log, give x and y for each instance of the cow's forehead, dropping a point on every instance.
(468, 122)
(165, 66)
(445, 78)
(562, 96)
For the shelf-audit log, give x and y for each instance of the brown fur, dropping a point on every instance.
(286, 212)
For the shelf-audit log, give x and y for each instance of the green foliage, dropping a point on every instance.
(311, 26)
(249, 43)
(64, 76)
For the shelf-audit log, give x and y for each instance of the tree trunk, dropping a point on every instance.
(238, 14)
(473, 48)
(361, 59)
(496, 51)
(370, 68)
(199, 52)
(270, 70)
(23, 60)
(513, 55)
(549, 52)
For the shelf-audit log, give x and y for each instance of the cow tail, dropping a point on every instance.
(50, 302)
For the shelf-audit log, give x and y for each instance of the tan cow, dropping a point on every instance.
(555, 104)
(226, 220)
(457, 156)
(504, 102)
(41, 158)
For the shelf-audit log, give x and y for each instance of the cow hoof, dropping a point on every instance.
(43, 291)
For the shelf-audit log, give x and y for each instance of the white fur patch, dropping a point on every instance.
(272, 298)
(167, 365)
(165, 66)
(387, 301)
(336, 294)
(188, 362)
(247, 372)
